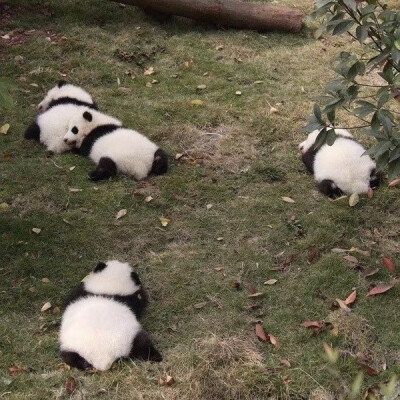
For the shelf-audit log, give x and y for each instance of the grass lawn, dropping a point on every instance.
(229, 226)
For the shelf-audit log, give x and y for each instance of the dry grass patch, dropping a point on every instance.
(228, 148)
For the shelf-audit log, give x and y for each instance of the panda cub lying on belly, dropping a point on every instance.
(57, 108)
(114, 148)
(100, 323)
(342, 167)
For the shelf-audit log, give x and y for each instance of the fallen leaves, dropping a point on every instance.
(149, 71)
(288, 200)
(312, 254)
(36, 230)
(14, 370)
(351, 298)
(121, 213)
(196, 102)
(389, 264)
(45, 307)
(379, 290)
(201, 87)
(164, 221)
(354, 199)
(70, 385)
(270, 282)
(264, 337)
(256, 295)
(4, 129)
(273, 110)
(260, 333)
(167, 381)
(74, 190)
(351, 259)
(395, 182)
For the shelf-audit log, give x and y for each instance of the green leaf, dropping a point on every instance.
(362, 33)
(321, 139)
(394, 169)
(357, 68)
(331, 137)
(317, 113)
(4, 129)
(351, 4)
(343, 26)
(397, 44)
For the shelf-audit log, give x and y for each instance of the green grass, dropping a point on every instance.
(239, 158)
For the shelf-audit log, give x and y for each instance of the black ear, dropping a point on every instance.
(88, 116)
(99, 267)
(143, 349)
(135, 278)
(62, 83)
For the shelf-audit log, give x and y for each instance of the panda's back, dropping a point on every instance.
(345, 164)
(53, 125)
(99, 329)
(132, 152)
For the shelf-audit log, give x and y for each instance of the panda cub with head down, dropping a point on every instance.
(113, 147)
(100, 323)
(342, 167)
(57, 108)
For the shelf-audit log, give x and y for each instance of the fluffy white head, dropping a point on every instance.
(306, 144)
(83, 123)
(112, 278)
(64, 89)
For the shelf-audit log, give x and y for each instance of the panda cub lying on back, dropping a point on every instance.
(57, 108)
(100, 323)
(114, 148)
(342, 167)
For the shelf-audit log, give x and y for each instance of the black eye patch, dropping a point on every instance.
(74, 130)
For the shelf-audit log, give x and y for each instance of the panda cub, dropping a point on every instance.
(100, 323)
(57, 108)
(114, 148)
(342, 167)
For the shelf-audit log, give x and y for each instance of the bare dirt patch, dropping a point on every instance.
(40, 200)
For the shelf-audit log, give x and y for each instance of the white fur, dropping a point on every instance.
(115, 279)
(132, 152)
(343, 162)
(54, 122)
(99, 329)
(66, 90)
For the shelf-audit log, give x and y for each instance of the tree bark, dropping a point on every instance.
(228, 13)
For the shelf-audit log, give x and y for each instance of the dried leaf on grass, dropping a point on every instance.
(312, 254)
(121, 213)
(14, 370)
(164, 221)
(379, 290)
(354, 199)
(36, 230)
(389, 264)
(70, 385)
(260, 333)
(351, 259)
(351, 298)
(4, 129)
(45, 306)
(288, 200)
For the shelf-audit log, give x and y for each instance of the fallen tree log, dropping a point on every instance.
(227, 13)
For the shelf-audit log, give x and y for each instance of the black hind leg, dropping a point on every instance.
(375, 179)
(160, 163)
(330, 189)
(75, 360)
(106, 168)
(143, 348)
(33, 132)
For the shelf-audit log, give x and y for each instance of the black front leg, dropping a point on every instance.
(33, 132)
(106, 168)
(73, 359)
